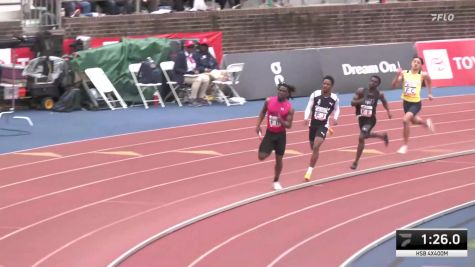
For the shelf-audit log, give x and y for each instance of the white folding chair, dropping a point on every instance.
(167, 68)
(134, 70)
(234, 71)
(105, 88)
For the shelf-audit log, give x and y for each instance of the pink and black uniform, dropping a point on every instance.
(275, 138)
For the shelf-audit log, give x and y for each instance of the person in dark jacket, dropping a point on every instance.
(185, 72)
(205, 61)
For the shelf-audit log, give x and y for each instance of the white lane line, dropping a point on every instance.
(189, 136)
(229, 240)
(192, 177)
(68, 244)
(183, 224)
(296, 246)
(209, 173)
(386, 237)
(192, 147)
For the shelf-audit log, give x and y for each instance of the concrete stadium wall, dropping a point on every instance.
(251, 30)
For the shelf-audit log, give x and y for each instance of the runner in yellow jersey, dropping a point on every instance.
(411, 94)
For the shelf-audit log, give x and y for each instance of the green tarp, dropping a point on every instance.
(114, 59)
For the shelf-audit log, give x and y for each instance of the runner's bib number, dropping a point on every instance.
(321, 113)
(274, 121)
(366, 111)
(410, 88)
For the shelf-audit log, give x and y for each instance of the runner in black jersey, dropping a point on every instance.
(319, 108)
(365, 102)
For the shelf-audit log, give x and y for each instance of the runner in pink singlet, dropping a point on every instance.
(279, 118)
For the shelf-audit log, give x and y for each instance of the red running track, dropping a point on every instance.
(318, 225)
(86, 203)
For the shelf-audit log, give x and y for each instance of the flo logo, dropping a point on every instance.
(406, 237)
(438, 64)
(442, 17)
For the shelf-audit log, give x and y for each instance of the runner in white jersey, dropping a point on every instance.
(321, 104)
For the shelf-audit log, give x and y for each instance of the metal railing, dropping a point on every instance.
(41, 14)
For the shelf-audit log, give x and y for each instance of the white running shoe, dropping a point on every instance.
(277, 186)
(308, 176)
(430, 125)
(402, 149)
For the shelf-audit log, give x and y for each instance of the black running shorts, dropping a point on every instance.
(273, 141)
(366, 124)
(314, 131)
(413, 107)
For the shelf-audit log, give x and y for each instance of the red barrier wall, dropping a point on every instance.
(214, 39)
(449, 62)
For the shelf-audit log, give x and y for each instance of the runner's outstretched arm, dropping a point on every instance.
(308, 110)
(262, 114)
(357, 98)
(336, 112)
(397, 79)
(428, 82)
(385, 104)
